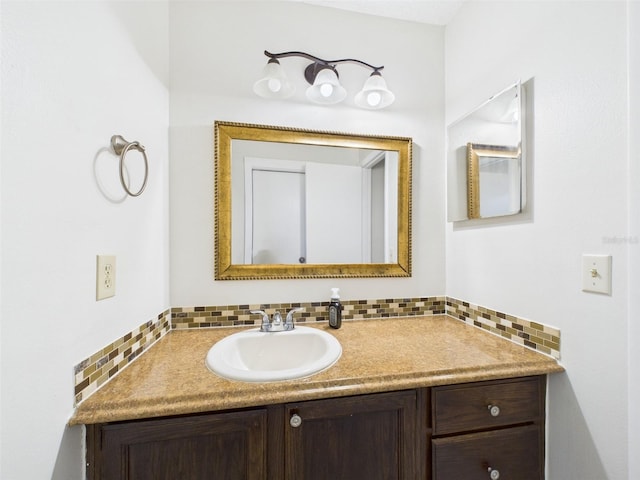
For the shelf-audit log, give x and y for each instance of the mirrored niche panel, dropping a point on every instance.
(485, 161)
(294, 203)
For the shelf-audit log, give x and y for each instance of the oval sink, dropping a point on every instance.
(254, 356)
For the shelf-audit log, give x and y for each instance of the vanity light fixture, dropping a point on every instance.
(323, 78)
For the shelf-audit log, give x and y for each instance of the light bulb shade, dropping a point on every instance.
(326, 88)
(274, 82)
(374, 93)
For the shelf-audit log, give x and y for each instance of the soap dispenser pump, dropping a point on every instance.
(335, 309)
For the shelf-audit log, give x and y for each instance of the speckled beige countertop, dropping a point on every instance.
(377, 355)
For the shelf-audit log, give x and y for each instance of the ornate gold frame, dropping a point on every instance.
(225, 132)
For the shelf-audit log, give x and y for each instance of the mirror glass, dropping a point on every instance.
(485, 165)
(292, 203)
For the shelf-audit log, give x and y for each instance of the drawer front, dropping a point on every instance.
(479, 406)
(508, 454)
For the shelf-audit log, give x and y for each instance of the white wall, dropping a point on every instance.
(575, 54)
(73, 74)
(634, 239)
(217, 54)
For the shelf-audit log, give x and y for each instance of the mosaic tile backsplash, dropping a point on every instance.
(537, 336)
(103, 365)
(232, 315)
(93, 372)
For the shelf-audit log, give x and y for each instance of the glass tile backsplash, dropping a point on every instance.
(103, 365)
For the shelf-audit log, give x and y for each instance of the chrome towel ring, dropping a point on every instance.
(121, 147)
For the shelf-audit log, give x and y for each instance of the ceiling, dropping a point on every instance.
(434, 12)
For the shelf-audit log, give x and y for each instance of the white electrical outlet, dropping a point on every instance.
(105, 276)
(596, 273)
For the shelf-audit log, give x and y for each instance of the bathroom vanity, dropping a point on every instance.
(428, 397)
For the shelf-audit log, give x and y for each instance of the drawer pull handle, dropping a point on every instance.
(493, 474)
(295, 421)
(494, 410)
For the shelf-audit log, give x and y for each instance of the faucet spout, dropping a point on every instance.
(288, 323)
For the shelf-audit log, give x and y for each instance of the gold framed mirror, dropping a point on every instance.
(493, 183)
(294, 203)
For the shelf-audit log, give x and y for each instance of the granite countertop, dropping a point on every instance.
(377, 355)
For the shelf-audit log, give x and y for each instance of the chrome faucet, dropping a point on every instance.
(288, 323)
(276, 324)
(276, 321)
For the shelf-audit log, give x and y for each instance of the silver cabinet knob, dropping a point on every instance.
(493, 474)
(494, 410)
(295, 421)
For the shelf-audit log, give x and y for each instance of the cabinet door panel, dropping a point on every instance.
(513, 452)
(229, 445)
(369, 437)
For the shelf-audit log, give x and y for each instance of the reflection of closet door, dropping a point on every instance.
(278, 220)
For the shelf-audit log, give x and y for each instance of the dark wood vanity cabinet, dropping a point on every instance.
(222, 445)
(489, 430)
(484, 430)
(369, 437)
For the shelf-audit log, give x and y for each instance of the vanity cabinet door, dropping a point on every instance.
(365, 437)
(226, 445)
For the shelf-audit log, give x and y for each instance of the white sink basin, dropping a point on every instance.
(254, 356)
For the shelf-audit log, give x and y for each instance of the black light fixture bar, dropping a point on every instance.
(322, 61)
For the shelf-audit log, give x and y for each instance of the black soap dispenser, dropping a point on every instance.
(335, 309)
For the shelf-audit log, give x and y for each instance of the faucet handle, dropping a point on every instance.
(265, 320)
(289, 320)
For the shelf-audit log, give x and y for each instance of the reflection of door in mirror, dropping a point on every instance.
(302, 212)
(377, 212)
(276, 231)
(380, 191)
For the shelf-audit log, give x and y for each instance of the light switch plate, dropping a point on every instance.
(596, 274)
(105, 276)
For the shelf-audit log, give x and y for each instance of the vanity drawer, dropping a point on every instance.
(511, 453)
(486, 405)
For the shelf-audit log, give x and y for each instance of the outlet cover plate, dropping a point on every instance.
(596, 274)
(105, 276)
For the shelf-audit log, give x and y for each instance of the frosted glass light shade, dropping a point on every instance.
(374, 93)
(274, 82)
(326, 88)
